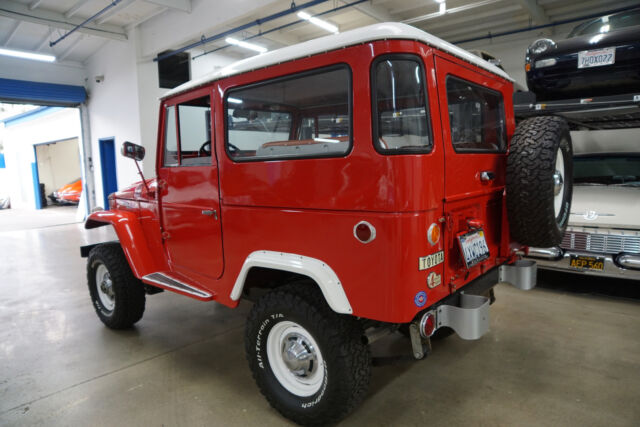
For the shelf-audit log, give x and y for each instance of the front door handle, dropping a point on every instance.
(487, 176)
(212, 213)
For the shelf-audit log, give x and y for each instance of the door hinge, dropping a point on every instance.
(165, 235)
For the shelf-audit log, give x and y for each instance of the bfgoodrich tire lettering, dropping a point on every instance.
(539, 174)
(119, 301)
(345, 359)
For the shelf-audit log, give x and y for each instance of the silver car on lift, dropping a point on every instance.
(603, 236)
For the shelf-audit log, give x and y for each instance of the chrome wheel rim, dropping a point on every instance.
(558, 183)
(105, 287)
(295, 359)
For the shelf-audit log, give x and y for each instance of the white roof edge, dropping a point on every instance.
(381, 31)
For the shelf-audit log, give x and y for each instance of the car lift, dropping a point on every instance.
(603, 112)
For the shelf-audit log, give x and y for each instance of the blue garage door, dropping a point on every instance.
(26, 92)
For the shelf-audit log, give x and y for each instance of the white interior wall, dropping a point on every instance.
(113, 107)
(58, 163)
(19, 141)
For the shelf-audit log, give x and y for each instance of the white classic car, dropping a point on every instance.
(603, 236)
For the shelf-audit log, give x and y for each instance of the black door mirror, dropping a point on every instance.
(132, 151)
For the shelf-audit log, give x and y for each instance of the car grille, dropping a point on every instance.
(603, 243)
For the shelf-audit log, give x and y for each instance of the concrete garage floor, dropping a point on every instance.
(552, 357)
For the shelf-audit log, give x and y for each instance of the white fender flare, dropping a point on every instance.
(315, 269)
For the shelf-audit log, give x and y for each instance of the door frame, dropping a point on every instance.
(108, 169)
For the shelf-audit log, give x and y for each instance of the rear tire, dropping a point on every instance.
(311, 363)
(117, 295)
(539, 181)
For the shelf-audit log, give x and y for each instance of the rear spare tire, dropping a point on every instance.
(539, 181)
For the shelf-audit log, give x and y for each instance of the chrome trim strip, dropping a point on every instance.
(170, 282)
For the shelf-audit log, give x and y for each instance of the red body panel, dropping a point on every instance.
(310, 206)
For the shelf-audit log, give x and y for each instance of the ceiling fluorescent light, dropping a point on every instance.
(27, 55)
(246, 45)
(319, 22)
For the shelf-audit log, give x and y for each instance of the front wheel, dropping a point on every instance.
(117, 295)
(311, 364)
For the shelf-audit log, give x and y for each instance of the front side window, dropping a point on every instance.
(400, 121)
(476, 116)
(301, 116)
(193, 147)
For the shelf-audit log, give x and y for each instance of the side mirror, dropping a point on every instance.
(132, 151)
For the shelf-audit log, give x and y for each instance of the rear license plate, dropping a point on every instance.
(596, 58)
(474, 247)
(581, 262)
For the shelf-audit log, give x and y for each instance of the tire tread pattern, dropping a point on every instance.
(129, 290)
(342, 336)
(529, 181)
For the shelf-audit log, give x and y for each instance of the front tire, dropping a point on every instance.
(117, 295)
(311, 364)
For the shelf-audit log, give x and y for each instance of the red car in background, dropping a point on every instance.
(68, 194)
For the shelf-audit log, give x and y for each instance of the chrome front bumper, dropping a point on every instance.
(622, 266)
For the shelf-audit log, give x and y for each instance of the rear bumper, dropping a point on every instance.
(623, 266)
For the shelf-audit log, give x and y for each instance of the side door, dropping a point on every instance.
(474, 129)
(189, 195)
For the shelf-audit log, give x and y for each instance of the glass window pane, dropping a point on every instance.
(288, 118)
(170, 138)
(400, 103)
(195, 132)
(476, 116)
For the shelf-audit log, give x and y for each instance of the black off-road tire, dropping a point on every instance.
(531, 166)
(340, 338)
(128, 291)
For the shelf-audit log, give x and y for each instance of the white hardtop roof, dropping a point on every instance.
(382, 31)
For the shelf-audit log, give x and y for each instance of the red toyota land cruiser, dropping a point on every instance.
(352, 185)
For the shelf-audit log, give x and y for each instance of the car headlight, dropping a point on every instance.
(541, 45)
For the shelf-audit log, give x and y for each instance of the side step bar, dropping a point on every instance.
(165, 281)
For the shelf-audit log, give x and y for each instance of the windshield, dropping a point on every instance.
(608, 23)
(618, 169)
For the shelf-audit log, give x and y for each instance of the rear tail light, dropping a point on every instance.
(364, 232)
(428, 324)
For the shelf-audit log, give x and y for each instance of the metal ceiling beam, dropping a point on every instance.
(449, 11)
(34, 4)
(21, 12)
(12, 33)
(537, 13)
(484, 28)
(114, 11)
(378, 13)
(75, 8)
(69, 49)
(45, 40)
(466, 20)
(181, 5)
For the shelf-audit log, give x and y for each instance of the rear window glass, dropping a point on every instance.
(400, 113)
(609, 169)
(301, 116)
(476, 116)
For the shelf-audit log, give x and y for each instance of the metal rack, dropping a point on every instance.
(603, 112)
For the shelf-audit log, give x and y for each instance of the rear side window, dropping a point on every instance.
(300, 116)
(476, 116)
(400, 115)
